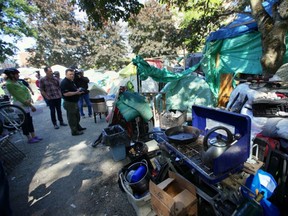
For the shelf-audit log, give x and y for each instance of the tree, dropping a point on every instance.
(59, 34)
(199, 19)
(101, 12)
(14, 25)
(67, 41)
(273, 33)
(104, 48)
(152, 32)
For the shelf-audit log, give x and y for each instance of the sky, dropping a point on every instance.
(26, 42)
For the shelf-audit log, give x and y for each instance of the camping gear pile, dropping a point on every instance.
(211, 154)
(216, 154)
(234, 158)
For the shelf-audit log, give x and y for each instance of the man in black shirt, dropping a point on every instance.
(71, 96)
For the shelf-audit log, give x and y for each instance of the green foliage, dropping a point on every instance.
(67, 41)
(104, 48)
(58, 34)
(101, 12)
(152, 31)
(14, 25)
(202, 17)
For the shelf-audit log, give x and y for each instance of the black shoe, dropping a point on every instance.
(77, 133)
(82, 128)
(63, 124)
(56, 126)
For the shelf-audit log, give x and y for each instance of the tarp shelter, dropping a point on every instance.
(182, 89)
(235, 48)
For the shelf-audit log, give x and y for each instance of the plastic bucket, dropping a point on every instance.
(141, 186)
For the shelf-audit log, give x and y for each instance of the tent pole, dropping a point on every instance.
(139, 86)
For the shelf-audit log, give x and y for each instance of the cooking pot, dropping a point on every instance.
(182, 134)
(213, 148)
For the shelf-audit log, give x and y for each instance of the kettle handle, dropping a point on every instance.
(228, 132)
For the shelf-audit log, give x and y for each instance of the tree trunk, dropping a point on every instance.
(273, 30)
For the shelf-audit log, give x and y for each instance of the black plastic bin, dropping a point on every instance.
(117, 138)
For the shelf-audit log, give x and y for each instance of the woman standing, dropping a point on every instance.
(21, 97)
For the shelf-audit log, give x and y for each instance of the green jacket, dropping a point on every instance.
(18, 91)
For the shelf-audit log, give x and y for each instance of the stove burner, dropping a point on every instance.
(192, 151)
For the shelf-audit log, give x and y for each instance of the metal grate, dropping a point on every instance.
(192, 152)
(10, 155)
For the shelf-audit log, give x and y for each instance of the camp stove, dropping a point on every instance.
(230, 161)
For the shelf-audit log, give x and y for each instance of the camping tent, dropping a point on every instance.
(235, 48)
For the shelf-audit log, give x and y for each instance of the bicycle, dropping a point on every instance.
(11, 116)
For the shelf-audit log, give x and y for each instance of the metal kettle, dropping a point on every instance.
(216, 146)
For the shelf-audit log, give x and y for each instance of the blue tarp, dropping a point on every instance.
(244, 23)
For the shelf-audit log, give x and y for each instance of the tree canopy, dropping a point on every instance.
(67, 41)
(100, 12)
(200, 18)
(152, 32)
(13, 24)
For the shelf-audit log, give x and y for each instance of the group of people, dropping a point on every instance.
(73, 89)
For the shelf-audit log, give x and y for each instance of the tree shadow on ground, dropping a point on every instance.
(39, 204)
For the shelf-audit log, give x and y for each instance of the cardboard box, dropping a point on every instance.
(173, 196)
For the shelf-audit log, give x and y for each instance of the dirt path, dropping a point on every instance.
(63, 175)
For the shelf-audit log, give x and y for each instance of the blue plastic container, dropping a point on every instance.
(138, 174)
(140, 179)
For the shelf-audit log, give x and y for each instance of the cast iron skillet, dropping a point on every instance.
(182, 134)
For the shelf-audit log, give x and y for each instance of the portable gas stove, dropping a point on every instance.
(230, 161)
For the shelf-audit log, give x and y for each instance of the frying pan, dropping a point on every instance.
(182, 134)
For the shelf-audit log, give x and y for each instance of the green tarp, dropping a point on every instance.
(132, 105)
(241, 54)
(145, 70)
(191, 90)
(182, 90)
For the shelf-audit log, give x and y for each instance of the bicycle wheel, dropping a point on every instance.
(12, 116)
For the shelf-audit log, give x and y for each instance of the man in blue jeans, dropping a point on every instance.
(82, 83)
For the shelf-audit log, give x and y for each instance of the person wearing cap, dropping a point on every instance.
(21, 97)
(50, 89)
(71, 96)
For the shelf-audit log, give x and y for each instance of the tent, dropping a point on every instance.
(235, 48)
